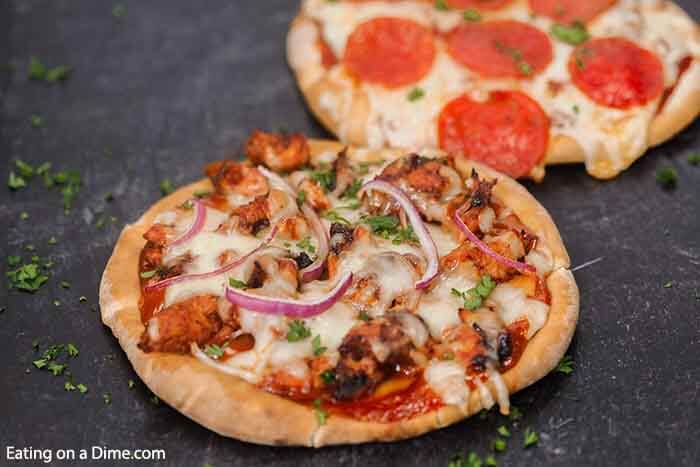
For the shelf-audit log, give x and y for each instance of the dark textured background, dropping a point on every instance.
(178, 83)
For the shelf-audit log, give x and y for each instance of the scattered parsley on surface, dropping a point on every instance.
(15, 182)
(72, 350)
(24, 216)
(573, 34)
(236, 284)
(37, 70)
(166, 187)
(441, 5)
(531, 438)
(333, 216)
(214, 351)
(328, 377)
(107, 398)
(301, 197)
(503, 431)
(694, 159)
(474, 297)
(415, 94)
(65, 284)
(27, 278)
(131, 384)
(306, 245)
(668, 285)
(81, 388)
(565, 365)
(147, 274)
(499, 445)
(321, 415)
(297, 331)
(316, 346)
(667, 177)
(59, 73)
(471, 15)
(37, 121)
(325, 177)
(363, 316)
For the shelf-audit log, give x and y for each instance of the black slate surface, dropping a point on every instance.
(177, 83)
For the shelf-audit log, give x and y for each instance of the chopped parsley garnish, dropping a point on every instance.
(382, 224)
(119, 11)
(441, 5)
(82, 299)
(471, 15)
(15, 182)
(667, 177)
(236, 284)
(214, 351)
(328, 377)
(531, 438)
(13, 260)
(415, 94)
(351, 191)
(56, 369)
(321, 415)
(460, 460)
(565, 365)
(201, 193)
(490, 461)
(107, 398)
(516, 55)
(363, 167)
(573, 34)
(72, 350)
(301, 197)
(37, 121)
(59, 73)
(187, 205)
(499, 445)
(668, 285)
(316, 346)
(363, 316)
(52, 241)
(694, 159)
(65, 284)
(515, 413)
(131, 384)
(56, 303)
(69, 386)
(325, 177)
(503, 431)
(166, 187)
(37, 70)
(148, 274)
(333, 216)
(24, 216)
(306, 245)
(82, 389)
(474, 297)
(27, 278)
(70, 183)
(297, 331)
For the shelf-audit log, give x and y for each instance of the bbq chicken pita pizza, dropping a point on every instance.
(514, 84)
(319, 294)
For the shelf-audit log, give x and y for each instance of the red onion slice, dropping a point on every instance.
(289, 307)
(225, 268)
(200, 218)
(313, 270)
(522, 267)
(419, 227)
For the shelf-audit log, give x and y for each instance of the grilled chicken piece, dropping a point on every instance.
(281, 153)
(236, 177)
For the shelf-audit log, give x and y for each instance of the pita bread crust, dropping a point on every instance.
(350, 123)
(232, 407)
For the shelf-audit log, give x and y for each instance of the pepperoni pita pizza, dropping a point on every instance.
(320, 294)
(516, 84)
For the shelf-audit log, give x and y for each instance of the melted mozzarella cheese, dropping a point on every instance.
(447, 379)
(512, 305)
(333, 325)
(440, 307)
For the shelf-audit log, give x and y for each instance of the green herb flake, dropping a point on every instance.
(82, 389)
(301, 198)
(321, 415)
(68, 386)
(24, 216)
(471, 15)
(474, 297)
(363, 316)
(415, 94)
(694, 159)
(333, 216)
(59, 73)
(328, 377)
(515, 414)
(503, 431)
(565, 365)
(573, 34)
(297, 331)
(667, 177)
(65, 284)
(15, 182)
(56, 303)
(316, 346)
(531, 438)
(131, 384)
(82, 299)
(499, 445)
(214, 351)
(490, 461)
(72, 350)
(56, 369)
(13, 260)
(668, 285)
(119, 11)
(306, 245)
(201, 194)
(52, 241)
(36, 121)
(107, 398)
(236, 284)
(37, 70)
(27, 278)
(166, 187)
(148, 274)
(325, 178)
(441, 5)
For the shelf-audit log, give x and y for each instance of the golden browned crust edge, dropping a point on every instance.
(562, 149)
(232, 407)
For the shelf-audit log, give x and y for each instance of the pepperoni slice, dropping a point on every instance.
(478, 4)
(617, 73)
(569, 11)
(498, 49)
(509, 131)
(392, 52)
